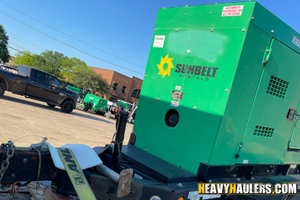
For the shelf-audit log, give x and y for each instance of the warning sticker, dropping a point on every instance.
(195, 196)
(296, 41)
(159, 41)
(232, 10)
(174, 103)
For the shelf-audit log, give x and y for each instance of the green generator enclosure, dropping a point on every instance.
(98, 104)
(75, 89)
(121, 103)
(221, 87)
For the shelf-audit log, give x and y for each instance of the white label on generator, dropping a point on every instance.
(245, 161)
(296, 41)
(178, 87)
(159, 41)
(232, 11)
(195, 196)
(175, 103)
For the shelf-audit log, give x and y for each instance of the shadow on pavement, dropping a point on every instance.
(89, 116)
(44, 106)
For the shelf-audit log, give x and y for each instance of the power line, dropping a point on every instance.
(73, 37)
(29, 55)
(67, 44)
(17, 45)
(22, 52)
(34, 57)
(26, 41)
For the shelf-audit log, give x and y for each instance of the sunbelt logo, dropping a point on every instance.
(163, 61)
(187, 71)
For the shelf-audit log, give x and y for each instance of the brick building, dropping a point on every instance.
(121, 86)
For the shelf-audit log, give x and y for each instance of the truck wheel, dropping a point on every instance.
(67, 106)
(85, 108)
(2, 89)
(51, 105)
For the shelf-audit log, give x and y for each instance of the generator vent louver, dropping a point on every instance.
(277, 87)
(263, 131)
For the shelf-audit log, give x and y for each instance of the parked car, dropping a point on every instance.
(38, 85)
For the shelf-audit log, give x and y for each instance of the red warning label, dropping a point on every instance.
(232, 10)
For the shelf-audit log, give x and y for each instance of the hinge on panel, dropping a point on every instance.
(267, 56)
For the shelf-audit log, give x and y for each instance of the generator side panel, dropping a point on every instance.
(269, 128)
(242, 95)
(269, 134)
(191, 66)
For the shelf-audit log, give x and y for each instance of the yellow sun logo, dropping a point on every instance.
(161, 65)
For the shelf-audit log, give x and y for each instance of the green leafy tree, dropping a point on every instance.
(53, 62)
(29, 59)
(71, 66)
(89, 79)
(17, 57)
(47, 61)
(4, 53)
(74, 70)
(26, 59)
(38, 61)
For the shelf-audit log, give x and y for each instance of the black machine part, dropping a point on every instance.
(118, 143)
(152, 175)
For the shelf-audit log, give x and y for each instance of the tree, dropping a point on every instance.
(71, 66)
(89, 79)
(47, 61)
(29, 59)
(53, 62)
(74, 70)
(22, 59)
(4, 54)
(38, 61)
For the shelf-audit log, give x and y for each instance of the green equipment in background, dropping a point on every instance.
(75, 89)
(221, 88)
(121, 103)
(95, 103)
(114, 108)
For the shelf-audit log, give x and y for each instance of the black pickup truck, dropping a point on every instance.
(38, 85)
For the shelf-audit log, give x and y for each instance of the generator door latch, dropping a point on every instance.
(291, 114)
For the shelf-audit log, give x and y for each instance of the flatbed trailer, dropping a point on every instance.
(219, 105)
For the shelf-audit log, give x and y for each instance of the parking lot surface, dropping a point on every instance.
(20, 116)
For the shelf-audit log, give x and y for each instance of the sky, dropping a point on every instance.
(114, 34)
